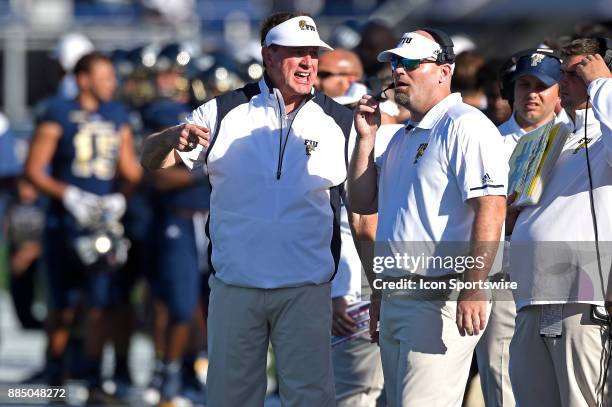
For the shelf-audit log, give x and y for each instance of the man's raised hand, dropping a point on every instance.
(367, 116)
(190, 135)
(592, 67)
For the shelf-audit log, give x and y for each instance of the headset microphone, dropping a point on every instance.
(382, 95)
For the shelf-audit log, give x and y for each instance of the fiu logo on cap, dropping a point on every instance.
(305, 26)
(420, 152)
(536, 59)
(405, 40)
(311, 146)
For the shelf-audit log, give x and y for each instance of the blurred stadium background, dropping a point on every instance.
(217, 43)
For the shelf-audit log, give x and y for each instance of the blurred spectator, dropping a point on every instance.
(338, 69)
(86, 145)
(69, 49)
(346, 35)
(375, 38)
(498, 108)
(10, 168)
(465, 81)
(25, 223)
(175, 11)
(182, 201)
(357, 366)
(462, 43)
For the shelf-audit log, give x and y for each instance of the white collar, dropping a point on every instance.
(435, 113)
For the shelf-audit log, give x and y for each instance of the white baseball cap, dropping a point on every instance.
(412, 46)
(299, 31)
(70, 48)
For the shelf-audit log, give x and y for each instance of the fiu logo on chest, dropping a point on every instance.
(305, 26)
(582, 145)
(420, 152)
(311, 146)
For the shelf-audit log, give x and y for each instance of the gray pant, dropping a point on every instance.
(493, 352)
(558, 372)
(357, 373)
(296, 321)
(426, 362)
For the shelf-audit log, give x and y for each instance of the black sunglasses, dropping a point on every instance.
(327, 74)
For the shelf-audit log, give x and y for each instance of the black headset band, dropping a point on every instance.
(446, 43)
(605, 50)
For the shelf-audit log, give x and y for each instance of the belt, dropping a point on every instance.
(418, 277)
(431, 292)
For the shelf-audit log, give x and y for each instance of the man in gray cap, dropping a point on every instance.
(274, 154)
(440, 183)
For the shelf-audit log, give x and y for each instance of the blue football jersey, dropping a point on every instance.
(88, 150)
(156, 116)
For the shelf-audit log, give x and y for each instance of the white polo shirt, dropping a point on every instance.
(428, 173)
(553, 243)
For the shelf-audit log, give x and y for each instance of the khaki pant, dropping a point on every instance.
(297, 321)
(558, 372)
(493, 352)
(357, 373)
(425, 360)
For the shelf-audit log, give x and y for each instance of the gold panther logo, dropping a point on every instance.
(305, 26)
(536, 59)
(420, 152)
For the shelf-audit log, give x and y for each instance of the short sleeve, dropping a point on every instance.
(383, 138)
(206, 116)
(122, 114)
(53, 111)
(478, 157)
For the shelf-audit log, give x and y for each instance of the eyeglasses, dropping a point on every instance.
(408, 64)
(327, 74)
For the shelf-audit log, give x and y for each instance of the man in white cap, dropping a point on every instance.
(440, 183)
(274, 154)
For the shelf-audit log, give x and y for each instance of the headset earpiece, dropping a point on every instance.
(605, 50)
(447, 56)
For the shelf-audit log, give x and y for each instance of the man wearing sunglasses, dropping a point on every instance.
(338, 69)
(440, 183)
